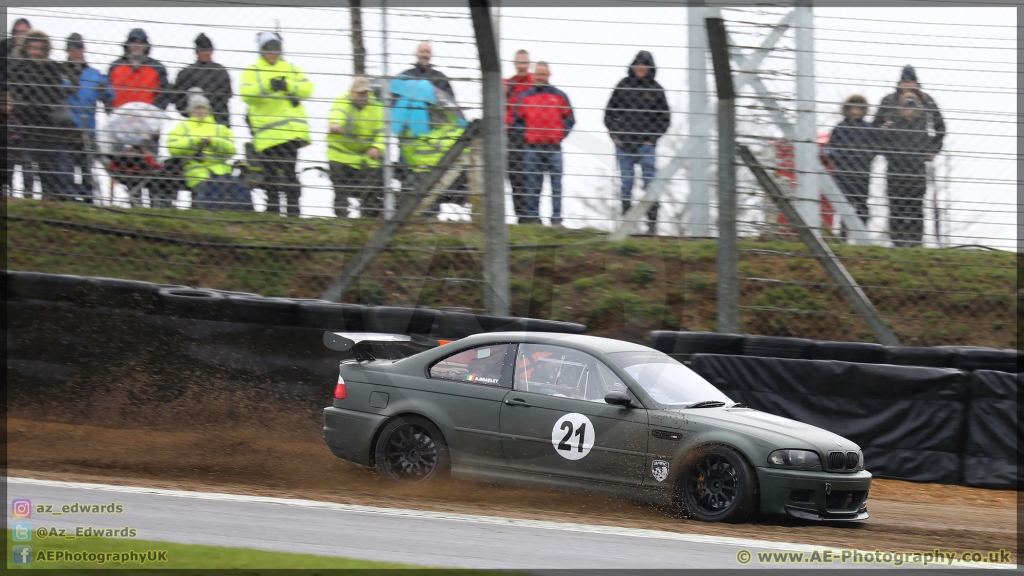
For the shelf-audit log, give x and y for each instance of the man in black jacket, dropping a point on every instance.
(913, 135)
(210, 76)
(907, 147)
(636, 116)
(41, 95)
(423, 69)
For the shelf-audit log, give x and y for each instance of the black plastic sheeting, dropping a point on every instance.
(681, 345)
(993, 448)
(911, 422)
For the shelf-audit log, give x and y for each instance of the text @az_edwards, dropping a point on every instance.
(877, 557)
(43, 532)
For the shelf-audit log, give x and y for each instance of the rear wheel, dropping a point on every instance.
(717, 484)
(411, 450)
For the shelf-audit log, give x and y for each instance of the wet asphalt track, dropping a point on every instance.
(383, 534)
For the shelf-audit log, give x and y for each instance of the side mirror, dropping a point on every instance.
(618, 398)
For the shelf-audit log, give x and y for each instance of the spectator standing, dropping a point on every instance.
(90, 87)
(424, 69)
(906, 182)
(636, 116)
(137, 77)
(205, 147)
(515, 86)
(41, 94)
(208, 75)
(545, 116)
(7, 109)
(11, 49)
(355, 146)
(851, 147)
(907, 147)
(929, 116)
(274, 90)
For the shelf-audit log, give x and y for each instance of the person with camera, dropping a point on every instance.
(274, 89)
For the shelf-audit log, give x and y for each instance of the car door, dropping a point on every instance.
(555, 420)
(474, 381)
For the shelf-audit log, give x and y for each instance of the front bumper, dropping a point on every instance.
(819, 496)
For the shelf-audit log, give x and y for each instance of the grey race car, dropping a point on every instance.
(583, 413)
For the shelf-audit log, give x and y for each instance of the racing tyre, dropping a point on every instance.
(716, 484)
(411, 450)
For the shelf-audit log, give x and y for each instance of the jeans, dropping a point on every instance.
(541, 158)
(517, 173)
(222, 193)
(55, 167)
(644, 156)
(364, 184)
(82, 155)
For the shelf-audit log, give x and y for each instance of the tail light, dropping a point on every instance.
(340, 391)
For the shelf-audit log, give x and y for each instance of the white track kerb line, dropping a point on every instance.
(479, 519)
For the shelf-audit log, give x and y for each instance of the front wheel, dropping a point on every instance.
(411, 450)
(717, 484)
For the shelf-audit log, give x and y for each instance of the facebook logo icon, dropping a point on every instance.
(21, 554)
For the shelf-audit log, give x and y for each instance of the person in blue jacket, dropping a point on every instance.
(852, 146)
(92, 88)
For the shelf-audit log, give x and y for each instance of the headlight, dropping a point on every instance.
(794, 459)
(861, 454)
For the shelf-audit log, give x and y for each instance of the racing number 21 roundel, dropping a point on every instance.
(573, 436)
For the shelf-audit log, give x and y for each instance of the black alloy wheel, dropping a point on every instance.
(718, 485)
(411, 451)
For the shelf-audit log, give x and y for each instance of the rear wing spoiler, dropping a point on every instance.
(345, 341)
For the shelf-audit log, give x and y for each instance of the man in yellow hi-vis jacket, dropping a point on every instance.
(274, 90)
(205, 148)
(355, 146)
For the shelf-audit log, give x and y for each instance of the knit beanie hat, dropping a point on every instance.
(196, 99)
(203, 42)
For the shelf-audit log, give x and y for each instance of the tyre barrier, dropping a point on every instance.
(861, 352)
(330, 316)
(193, 303)
(247, 308)
(397, 320)
(681, 345)
(260, 310)
(778, 347)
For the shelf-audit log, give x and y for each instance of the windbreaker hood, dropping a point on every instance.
(647, 59)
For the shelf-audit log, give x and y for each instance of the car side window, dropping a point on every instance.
(481, 365)
(563, 372)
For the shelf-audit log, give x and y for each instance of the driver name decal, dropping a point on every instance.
(573, 436)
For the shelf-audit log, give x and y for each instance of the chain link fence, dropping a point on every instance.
(957, 288)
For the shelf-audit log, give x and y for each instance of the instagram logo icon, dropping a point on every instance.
(21, 508)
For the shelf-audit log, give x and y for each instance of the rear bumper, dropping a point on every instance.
(349, 433)
(819, 496)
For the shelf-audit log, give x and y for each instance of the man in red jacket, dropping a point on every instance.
(136, 77)
(545, 116)
(514, 88)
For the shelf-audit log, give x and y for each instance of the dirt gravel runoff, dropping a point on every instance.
(291, 460)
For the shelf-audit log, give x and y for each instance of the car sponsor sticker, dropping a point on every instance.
(573, 436)
(659, 469)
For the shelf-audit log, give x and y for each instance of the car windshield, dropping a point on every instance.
(666, 380)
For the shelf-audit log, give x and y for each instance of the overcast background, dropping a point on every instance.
(965, 58)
